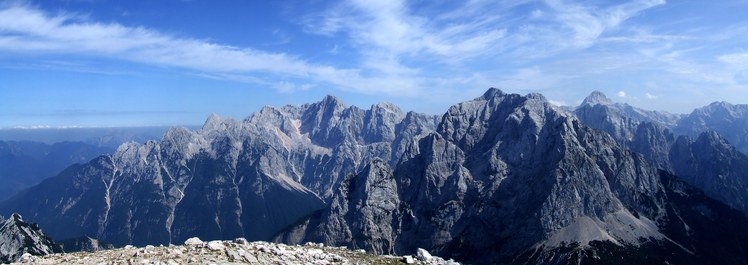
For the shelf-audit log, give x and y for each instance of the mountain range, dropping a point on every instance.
(503, 178)
(702, 157)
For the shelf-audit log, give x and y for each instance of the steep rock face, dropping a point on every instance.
(619, 120)
(500, 179)
(502, 174)
(505, 165)
(511, 179)
(326, 141)
(697, 228)
(361, 215)
(188, 184)
(713, 165)
(708, 162)
(18, 237)
(730, 121)
(230, 179)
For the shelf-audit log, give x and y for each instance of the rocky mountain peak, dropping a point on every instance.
(330, 101)
(215, 122)
(18, 238)
(386, 106)
(498, 166)
(720, 104)
(536, 96)
(595, 98)
(729, 120)
(212, 120)
(718, 112)
(492, 93)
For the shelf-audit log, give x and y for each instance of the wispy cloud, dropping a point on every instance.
(390, 27)
(430, 50)
(739, 60)
(421, 48)
(24, 29)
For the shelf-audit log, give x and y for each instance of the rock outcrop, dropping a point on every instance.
(19, 238)
(362, 214)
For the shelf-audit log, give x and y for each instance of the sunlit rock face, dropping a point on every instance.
(503, 178)
(18, 237)
(702, 157)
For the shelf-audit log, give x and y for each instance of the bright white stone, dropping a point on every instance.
(193, 241)
(424, 255)
(216, 245)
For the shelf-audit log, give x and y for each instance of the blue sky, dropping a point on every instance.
(173, 62)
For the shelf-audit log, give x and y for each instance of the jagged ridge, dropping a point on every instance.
(18, 238)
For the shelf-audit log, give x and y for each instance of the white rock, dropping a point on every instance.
(216, 245)
(314, 251)
(26, 256)
(409, 259)
(193, 241)
(424, 255)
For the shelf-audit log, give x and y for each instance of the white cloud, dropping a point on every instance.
(537, 13)
(588, 23)
(388, 29)
(735, 59)
(621, 94)
(401, 48)
(24, 29)
(396, 41)
(288, 87)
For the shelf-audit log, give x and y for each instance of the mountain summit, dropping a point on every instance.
(500, 179)
(595, 98)
(18, 238)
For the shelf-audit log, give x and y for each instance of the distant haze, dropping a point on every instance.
(107, 137)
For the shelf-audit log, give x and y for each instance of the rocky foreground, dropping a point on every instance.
(239, 251)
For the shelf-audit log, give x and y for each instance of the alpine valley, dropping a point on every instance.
(501, 179)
